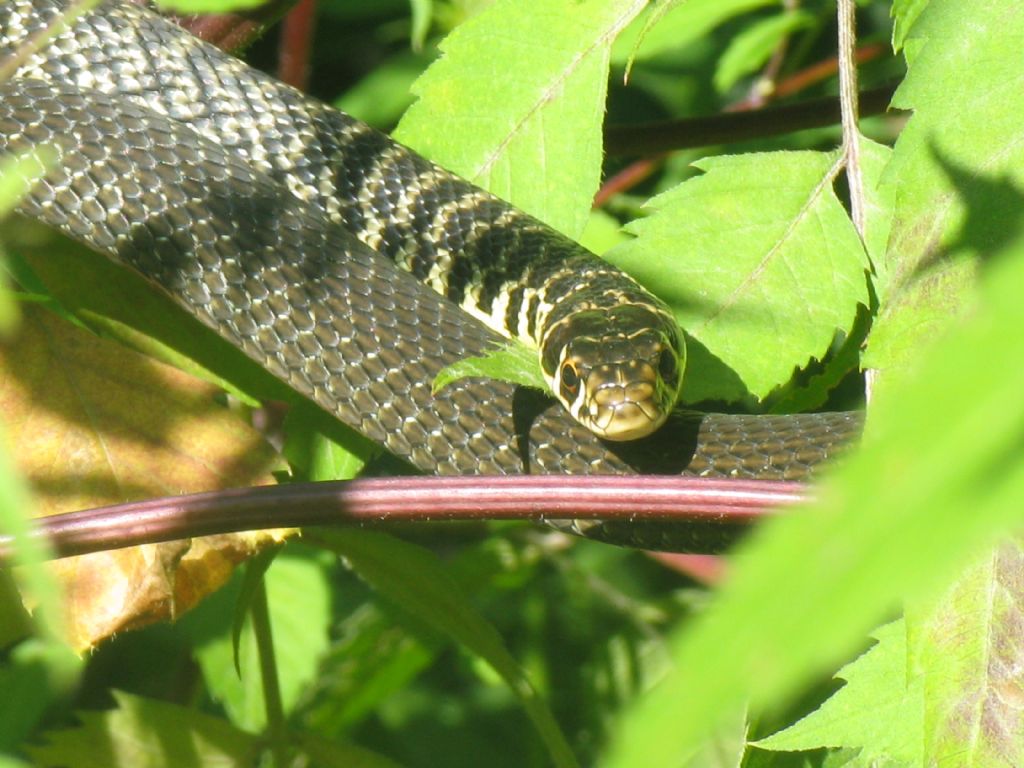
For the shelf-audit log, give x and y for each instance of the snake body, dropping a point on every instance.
(609, 350)
(278, 222)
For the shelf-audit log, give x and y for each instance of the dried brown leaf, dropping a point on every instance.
(94, 424)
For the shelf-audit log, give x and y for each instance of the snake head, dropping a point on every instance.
(619, 370)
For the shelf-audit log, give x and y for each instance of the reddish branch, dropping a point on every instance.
(296, 44)
(375, 501)
(823, 70)
(235, 32)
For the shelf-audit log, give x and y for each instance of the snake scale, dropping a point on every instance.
(278, 222)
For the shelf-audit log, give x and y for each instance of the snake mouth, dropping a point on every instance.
(618, 411)
(618, 372)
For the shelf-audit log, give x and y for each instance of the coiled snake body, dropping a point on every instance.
(277, 222)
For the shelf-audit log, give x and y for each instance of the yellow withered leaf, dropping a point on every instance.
(93, 423)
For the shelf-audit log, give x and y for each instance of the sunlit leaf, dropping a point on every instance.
(537, 118)
(512, 362)
(877, 711)
(957, 172)
(904, 14)
(677, 23)
(966, 653)
(757, 248)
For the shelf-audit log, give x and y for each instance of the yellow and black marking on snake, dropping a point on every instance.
(278, 222)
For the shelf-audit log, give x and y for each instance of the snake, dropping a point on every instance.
(355, 270)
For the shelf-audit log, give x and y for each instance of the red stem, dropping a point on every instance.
(387, 500)
(234, 32)
(296, 44)
(823, 70)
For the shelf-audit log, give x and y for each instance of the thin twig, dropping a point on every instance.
(823, 70)
(296, 44)
(648, 139)
(629, 177)
(763, 86)
(639, 170)
(849, 111)
(370, 501)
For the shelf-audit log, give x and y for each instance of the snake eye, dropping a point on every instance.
(667, 365)
(570, 378)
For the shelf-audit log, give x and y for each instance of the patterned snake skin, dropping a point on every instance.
(242, 199)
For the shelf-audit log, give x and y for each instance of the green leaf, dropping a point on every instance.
(208, 6)
(422, 13)
(531, 112)
(15, 622)
(878, 710)
(334, 754)
(602, 233)
(513, 362)
(34, 675)
(752, 47)
(912, 505)
(252, 575)
(318, 447)
(241, 695)
(967, 652)
(904, 14)
(371, 660)
(637, 32)
(813, 392)
(757, 248)
(34, 581)
(956, 173)
(725, 747)
(879, 198)
(850, 758)
(413, 579)
(673, 24)
(384, 94)
(18, 173)
(299, 599)
(144, 733)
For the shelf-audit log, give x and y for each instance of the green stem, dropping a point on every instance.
(850, 110)
(276, 726)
